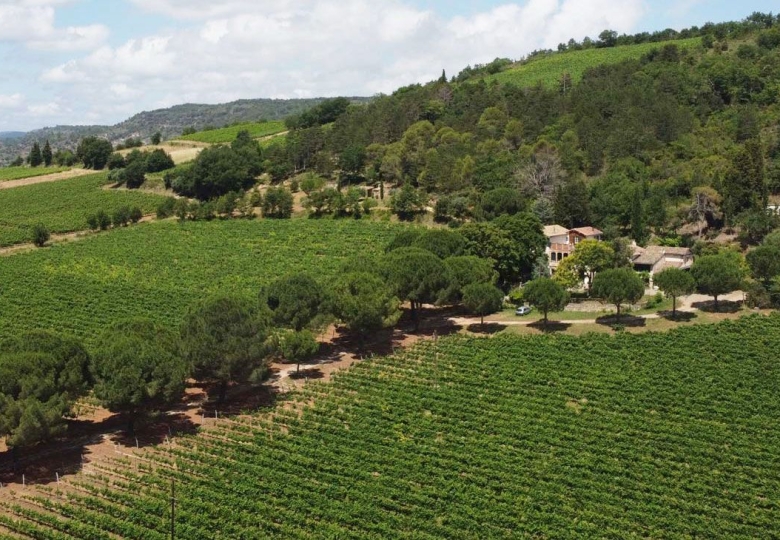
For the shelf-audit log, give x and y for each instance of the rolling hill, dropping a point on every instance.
(169, 122)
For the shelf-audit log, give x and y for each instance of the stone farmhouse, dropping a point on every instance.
(653, 259)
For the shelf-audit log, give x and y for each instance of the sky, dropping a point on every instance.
(101, 61)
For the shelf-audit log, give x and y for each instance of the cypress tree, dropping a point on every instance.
(35, 155)
(47, 154)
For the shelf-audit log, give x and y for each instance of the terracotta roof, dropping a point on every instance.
(650, 255)
(555, 230)
(588, 231)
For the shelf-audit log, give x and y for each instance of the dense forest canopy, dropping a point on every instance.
(679, 137)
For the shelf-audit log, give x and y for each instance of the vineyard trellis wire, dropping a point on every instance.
(634, 436)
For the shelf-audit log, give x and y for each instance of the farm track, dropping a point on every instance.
(66, 175)
(61, 238)
(686, 306)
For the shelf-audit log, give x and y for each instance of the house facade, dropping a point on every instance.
(653, 259)
(561, 241)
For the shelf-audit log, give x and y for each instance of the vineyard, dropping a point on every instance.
(229, 134)
(157, 270)
(20, 173)
(549, 69)
(634, 436)
(62, 206)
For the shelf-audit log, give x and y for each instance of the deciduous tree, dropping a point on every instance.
(278, 203)
(764, 262)
(591, 257)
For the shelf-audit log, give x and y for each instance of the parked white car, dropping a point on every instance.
(523, 310)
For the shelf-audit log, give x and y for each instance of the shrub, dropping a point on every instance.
(121, 216)
(116, 161)
(117, 177)
(135, 174)
(100, 220)
(159, 161)
(278, 203)
(41, 235)
(181, 208)
(92, 222)
(166, 208)
(136, 214)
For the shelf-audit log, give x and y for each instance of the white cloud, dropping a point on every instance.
(11, 101)
(48, 110)
(32, 22)
(220, 51)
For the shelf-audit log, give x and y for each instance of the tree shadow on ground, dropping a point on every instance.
(42, 463)
(431, 323)
(724, 306)
(489, 328)
(307, 374)
(624, 320)
(681, 316)
(154, 430)
(239, 398)
(551, 327)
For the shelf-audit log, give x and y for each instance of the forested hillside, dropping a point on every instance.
(169, 122)
(679, 141)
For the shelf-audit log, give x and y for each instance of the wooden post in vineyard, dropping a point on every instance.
(173, 509)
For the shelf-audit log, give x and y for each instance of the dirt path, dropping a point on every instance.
(685, 305)
(66, 175)
(62, 238)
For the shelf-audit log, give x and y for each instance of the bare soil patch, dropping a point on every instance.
(180, 151)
